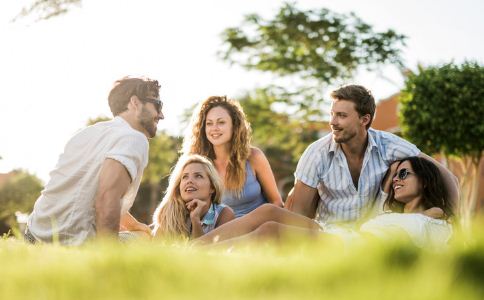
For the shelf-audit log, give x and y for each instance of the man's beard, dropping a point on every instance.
(345, 137)
(147, 122)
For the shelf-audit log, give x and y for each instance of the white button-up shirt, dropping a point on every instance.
(323, 166)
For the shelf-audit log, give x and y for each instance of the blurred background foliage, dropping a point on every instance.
(318, 44)
(18, 192)
(442, 109)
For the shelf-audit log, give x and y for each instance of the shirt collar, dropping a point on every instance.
(371, 139)
(333, 147)
(209, 217)
(121, 120)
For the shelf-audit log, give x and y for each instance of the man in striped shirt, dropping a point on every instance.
(338, 176)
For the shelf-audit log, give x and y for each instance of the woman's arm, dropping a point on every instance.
(263, 172)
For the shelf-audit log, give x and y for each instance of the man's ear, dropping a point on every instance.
(133, 102)
(365, 120)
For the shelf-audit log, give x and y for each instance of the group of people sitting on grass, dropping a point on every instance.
(353, 182)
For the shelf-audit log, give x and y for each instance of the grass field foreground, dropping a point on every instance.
(299, 270)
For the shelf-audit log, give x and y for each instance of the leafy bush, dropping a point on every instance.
(18, 193)
(442, 111)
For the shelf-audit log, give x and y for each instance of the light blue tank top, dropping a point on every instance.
(251, 196)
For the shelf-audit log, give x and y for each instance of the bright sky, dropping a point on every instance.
(56, 74)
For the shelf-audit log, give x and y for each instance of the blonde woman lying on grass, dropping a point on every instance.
(191, 206)
(417, 202)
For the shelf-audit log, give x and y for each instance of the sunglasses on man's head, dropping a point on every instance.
(402, 173)
(158, 104)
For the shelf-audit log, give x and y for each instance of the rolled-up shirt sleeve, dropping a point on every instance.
(130, 151)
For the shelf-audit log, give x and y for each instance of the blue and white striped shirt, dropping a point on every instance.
(323, 166)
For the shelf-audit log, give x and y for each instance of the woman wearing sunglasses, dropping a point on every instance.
(416, 205)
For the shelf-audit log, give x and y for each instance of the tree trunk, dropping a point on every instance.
(469, 186)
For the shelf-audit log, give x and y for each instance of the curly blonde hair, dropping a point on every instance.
(170, 217)
(197, 142)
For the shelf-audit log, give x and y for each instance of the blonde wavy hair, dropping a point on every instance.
(170, 217)
(196, 140)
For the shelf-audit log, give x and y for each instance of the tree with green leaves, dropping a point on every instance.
(442, 111)
(18, 193)
(314, 44)
(46, 9)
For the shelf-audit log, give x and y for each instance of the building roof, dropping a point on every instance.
(386, 116)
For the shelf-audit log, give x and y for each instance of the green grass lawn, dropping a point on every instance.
(299, 270)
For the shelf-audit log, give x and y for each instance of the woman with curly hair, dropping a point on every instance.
(221, 132)
(191, 206)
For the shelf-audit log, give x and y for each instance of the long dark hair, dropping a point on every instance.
(434, 191)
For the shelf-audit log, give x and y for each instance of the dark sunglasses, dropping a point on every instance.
(158, 104)
(403, 173)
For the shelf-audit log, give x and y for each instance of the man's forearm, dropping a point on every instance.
(303, 200)
(452, 184)
(107, 216)
(114, 181)
(305, 209)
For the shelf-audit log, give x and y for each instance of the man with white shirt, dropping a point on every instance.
(96, 179)
(338, 177)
